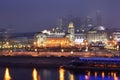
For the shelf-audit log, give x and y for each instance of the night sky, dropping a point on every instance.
(36, 15)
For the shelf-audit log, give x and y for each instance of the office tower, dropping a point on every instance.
(98, 18)
(88, 21)
(60, 24)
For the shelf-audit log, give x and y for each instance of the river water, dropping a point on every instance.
(7, 73)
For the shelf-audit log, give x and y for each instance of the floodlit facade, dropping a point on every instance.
(116, 36)
(98, 34)
(55, 39)
(79, 38)
(51, 40)
(61, 39)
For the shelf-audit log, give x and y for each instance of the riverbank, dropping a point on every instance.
(29, 61)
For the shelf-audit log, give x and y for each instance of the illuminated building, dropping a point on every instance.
(47, 39)
(40, 40)
(79, 38)
(55, 39)
(116, 39)
(98, 34)
(116, 35)
(71, 32)
(50, 39)
(15, 41)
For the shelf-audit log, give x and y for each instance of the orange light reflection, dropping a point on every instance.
(103, 74)
(115, 76)
(72, 77)
(7, 74)
(95, 74)
(61, 73)
(35, 75)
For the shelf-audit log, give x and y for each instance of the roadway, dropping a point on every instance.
(64, 54)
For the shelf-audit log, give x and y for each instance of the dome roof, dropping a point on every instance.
(71, 25)
(99, 28)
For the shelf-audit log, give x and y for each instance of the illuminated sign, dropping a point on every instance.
(79, 40)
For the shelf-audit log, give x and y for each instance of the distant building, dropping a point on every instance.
(71, 31)
(97, 34)
(79, 38)
(116, 35)
(99, 18)
(51, 39)
(14, 41)
(60, 24)
(56, 39)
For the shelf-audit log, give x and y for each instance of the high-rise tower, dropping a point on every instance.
(60, 24)
(99, 18)
(88, 21)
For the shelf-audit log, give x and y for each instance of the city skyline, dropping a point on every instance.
(29, 15)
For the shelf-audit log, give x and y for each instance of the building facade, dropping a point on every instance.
(98, 34)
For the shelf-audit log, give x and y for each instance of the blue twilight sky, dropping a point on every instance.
(36, 15)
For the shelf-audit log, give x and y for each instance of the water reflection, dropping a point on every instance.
(115, 76)
(56, 74)
(61, 73)
(87, 75)
(71, 77)
(112, 74)
(97, 75)
(7, 74)
(103, 74)
(35, 75)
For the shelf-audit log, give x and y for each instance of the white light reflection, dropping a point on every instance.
(86, 77)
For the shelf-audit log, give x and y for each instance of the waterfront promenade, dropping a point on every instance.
(64, 54)
(29, 61)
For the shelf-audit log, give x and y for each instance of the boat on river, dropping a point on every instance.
(94, 63)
